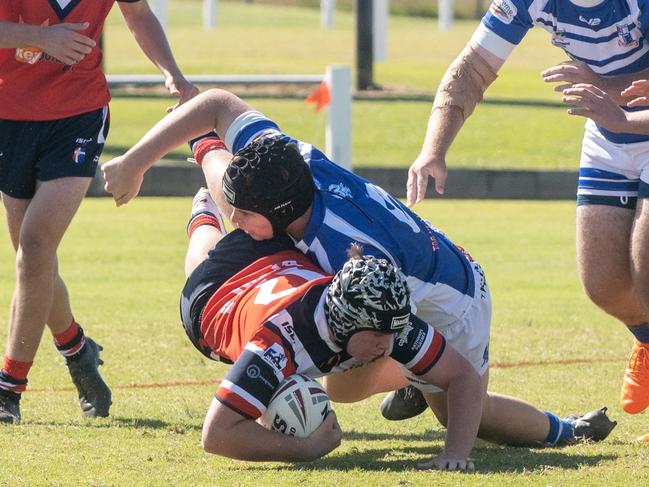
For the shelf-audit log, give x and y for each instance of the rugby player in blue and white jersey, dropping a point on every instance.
(606, 42)
(276, 184)
(265, 308)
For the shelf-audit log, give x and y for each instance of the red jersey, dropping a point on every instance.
(239, 308)
(268, 319)
(36, 86)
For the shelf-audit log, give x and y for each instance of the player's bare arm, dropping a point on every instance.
(460, 90)
(64, 42)
(213, 109)
(569, 73)
(151, 38)
(228, 433)
(465, 393)
(591, 102)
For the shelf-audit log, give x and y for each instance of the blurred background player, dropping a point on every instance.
(53, 124)
(275, 184)
(607, 44)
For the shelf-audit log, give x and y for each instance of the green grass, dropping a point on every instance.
(124, 272)
(270, 39)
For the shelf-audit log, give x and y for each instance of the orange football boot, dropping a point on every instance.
(635, 388)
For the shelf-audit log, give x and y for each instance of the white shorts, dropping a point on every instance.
(612, 174)
(469, 335)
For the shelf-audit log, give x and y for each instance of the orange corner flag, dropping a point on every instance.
(320, 96)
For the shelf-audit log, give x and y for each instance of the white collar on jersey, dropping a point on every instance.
(587, 3)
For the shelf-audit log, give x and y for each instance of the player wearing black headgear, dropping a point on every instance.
(270, 177)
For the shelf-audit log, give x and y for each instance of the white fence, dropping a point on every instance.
(338, 132)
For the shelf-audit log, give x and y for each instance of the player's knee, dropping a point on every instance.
(35, 253)
(606, 295)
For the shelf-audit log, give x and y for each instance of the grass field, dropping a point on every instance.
(124, 271)
(262, 39)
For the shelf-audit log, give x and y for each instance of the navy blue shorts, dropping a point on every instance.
(234, 252)
(42, 151)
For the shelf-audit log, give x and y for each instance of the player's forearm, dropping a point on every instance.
(247, 440)
(614, 85)
(636, 123)
(189, 120)
(20, 35)
(459, 92)
(443, 126)
(464, 414)
(151, 38)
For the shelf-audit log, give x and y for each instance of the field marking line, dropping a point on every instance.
(193, 383)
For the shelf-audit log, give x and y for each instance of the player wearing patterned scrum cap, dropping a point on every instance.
(269, 311)
(607, 43)
(265, 180)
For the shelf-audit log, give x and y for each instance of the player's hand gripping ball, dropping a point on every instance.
(297, 408)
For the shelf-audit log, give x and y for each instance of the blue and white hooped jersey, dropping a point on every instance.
(348, 208)
(611, 37)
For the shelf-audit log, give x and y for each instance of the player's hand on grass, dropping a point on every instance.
(326, 437)
(65, 43)
(179, 86)
(569, 73)
(121, 180)
(639, 91)
(589, 101)
(447, 462)
(423, 167)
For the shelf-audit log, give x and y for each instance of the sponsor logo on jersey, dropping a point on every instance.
(341, 190)
(419, 340)
(254, 372)
(29, 54)
(274, 356)
(503, 10)
(398, 322)
(79, 155)
(591, 22)
(625, 36)
(402, 338)
(287, 326)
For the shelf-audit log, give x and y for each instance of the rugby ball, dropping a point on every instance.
(297, 408)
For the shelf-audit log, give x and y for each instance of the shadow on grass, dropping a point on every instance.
(127, 423)
(488, 459)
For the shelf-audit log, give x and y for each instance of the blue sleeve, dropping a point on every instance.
(509, 19)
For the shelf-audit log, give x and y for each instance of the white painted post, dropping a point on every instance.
(445, 14)
(209, 14)
(380, 13)
(338, 138)
(160, 9)
(327, 13)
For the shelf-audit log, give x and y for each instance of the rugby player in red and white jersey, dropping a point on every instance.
(267, 309)
(53, 124)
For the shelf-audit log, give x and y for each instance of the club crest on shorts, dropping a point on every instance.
(79, 155)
